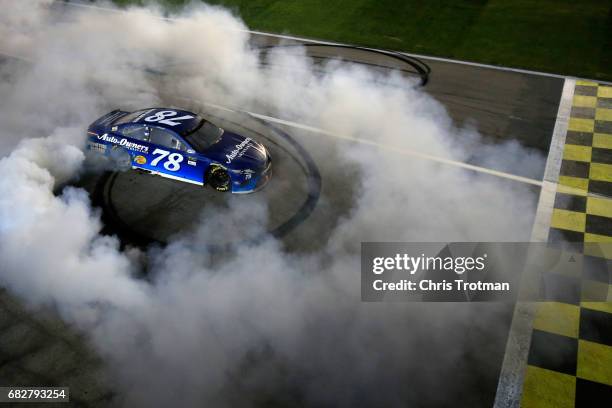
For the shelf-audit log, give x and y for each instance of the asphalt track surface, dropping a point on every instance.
(502, 105)
(306, 182)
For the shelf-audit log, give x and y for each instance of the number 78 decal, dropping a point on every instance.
(173, 162)
(162, 116)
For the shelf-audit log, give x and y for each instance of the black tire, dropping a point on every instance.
(218, 178)
(121, 159)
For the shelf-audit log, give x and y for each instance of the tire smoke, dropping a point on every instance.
(261, 325)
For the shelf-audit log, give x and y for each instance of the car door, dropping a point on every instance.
(169, 157)
(133, 138)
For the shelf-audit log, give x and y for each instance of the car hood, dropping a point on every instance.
(238, 152)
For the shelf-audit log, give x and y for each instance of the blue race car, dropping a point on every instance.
(181, 145)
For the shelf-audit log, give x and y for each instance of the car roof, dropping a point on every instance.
(167, 118)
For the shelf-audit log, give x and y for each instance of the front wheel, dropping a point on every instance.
(218, 177)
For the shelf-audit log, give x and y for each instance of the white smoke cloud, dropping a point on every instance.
(261, 322)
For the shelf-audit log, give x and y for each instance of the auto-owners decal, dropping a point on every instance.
(123, 142)
(238, 151)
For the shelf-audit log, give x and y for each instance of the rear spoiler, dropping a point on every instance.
(109, 118)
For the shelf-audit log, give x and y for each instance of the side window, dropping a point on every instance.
(165, 138)
(135, 131)
(180, 146)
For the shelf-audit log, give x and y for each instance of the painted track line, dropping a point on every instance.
(405, 151)
(512, 374)
(400, 150)
(553, 164)
(549, 183)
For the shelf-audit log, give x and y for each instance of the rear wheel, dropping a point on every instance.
(121, 158)
(218, 177)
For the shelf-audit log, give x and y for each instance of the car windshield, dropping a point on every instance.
(204, 136)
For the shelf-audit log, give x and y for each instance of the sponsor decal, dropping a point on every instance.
(248, 173)
(140, 159)
(99, 147)
(191, 162)
(123, 142)
(238, 151)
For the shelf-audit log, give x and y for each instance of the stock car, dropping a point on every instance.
(181, 145)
